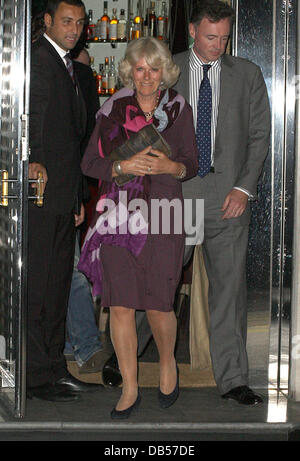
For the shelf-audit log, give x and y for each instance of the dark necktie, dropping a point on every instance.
(70, 67)
(203, 129)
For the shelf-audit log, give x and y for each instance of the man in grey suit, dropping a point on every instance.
(239, 127)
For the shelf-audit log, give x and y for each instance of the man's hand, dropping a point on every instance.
(235, 204)
(79, 218)
(33, 170)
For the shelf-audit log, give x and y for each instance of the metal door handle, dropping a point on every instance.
(4, 181)
(4, 188)
(39, 197)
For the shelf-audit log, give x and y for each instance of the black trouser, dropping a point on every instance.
(51, 244)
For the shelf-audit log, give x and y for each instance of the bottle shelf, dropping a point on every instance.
(105, 42)
(116, 27)
(112, 43)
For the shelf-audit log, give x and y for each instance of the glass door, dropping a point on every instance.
(268, 38)
(14, 96)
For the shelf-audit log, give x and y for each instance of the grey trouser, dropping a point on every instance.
(224, 250)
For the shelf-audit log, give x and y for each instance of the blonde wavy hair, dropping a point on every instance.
(156, 54)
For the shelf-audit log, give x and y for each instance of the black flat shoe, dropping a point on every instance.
(111, 375)
(52, 393)
(125, 414)
(75, 385)
(167, 400)
(243, 395)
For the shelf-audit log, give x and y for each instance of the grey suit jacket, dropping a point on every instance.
(243, 127)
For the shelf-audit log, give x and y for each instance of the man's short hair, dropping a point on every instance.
(214, 10)
(52, 5)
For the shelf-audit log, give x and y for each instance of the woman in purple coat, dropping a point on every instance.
(134, 249)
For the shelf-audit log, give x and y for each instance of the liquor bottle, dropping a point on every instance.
(121, 27)
(104, 24)
(146, 22)
(97, 30)
(105, 77)
(99, 80)
(130, 25)
(137, 30)
(152, 21)
(113, 24)
(92, 63)
(90, 27)
(162, 23)
(112, 76)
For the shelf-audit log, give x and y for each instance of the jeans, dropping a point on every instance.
(82, 333)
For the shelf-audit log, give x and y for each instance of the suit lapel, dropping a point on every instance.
(185, 86)
(81, 107)
(53, 52)
(58, 60)
(80, 113)
(182, 86)
(227, 86)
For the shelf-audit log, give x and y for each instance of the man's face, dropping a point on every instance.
(67, 25)
(210, 38)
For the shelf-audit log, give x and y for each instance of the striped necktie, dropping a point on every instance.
(203, 128)
(70, 67)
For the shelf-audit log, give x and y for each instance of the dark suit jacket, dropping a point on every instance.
(57, 126)
(90, 95)
(88, 88)
(243, 127)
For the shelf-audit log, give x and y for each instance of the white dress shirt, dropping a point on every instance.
(196, 76)
(62, 53)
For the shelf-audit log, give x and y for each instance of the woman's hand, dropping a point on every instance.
(138, 164)
(159, 163)
(142, 163)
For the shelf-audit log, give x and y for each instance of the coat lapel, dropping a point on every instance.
(182, 86)
(82, 114)
(58, 60)
(53, 52)
(227, 87)
(185, 87)
(78, 100)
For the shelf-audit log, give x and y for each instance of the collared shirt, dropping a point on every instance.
(196, 76)
(62, 53)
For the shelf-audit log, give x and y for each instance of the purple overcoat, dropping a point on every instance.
(141, 272)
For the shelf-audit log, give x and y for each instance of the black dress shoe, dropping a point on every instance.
(74, 385)
(166, 400)
(243, 395)
(51, 393)
(111, 375)
(125, 414)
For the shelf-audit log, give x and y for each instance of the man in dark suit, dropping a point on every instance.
(57, 126)
(230, 162)
(83, 340)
